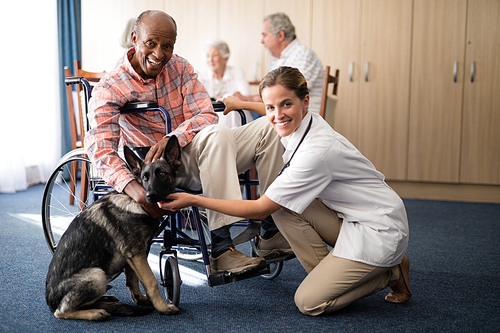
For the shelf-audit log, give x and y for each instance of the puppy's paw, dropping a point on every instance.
(99, 315)
(168, 309)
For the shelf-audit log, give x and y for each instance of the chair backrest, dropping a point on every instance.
(329, 101)
(93, 78)
(73, 113)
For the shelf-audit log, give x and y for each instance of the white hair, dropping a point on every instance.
(220, 45)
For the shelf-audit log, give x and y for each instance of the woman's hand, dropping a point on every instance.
(176, 201)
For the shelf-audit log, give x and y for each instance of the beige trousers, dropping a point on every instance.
(217, 154)
(332, 282)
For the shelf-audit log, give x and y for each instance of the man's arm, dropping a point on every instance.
(234, 103)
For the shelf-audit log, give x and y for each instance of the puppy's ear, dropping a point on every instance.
(172, 152)
(134, 162)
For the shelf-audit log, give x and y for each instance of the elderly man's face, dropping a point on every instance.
(154, 45)
(270, 41)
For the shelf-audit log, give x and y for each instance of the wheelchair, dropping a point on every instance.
(182, 235)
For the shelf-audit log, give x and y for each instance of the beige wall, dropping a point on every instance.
(239, 23)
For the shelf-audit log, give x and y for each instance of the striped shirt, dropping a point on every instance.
(176, 88)
(304, 59)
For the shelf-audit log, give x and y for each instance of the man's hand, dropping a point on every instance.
(231, 102)
(137, 192)
(156, 151)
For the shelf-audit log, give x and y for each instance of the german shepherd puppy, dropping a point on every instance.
(106, 238)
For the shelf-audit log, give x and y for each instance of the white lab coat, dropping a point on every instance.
(327, 166)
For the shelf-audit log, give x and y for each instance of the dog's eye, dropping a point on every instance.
(162, 174)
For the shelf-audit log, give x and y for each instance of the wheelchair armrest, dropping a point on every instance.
(220, 107)
(146, 106)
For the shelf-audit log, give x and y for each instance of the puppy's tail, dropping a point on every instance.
(120, 309)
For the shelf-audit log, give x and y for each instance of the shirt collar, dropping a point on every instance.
(290, 142)
(128, 67)
(288, 49)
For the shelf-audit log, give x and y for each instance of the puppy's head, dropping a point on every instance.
(158, 178)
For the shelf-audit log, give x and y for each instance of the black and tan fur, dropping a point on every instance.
(109, 237)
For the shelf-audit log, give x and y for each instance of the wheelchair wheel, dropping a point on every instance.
(171, 281)
(274, 267)
(187, 225)
(63, 196)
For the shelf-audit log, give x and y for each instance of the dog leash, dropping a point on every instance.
(287, 164)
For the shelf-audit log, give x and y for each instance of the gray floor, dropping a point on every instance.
(455, 275)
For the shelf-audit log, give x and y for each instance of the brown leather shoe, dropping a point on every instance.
(273, 247)
(236, 262)
(401, 292)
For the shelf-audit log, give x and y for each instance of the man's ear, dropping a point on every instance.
(134, 38)
(281, 36)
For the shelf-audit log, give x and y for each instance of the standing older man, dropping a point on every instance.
(278, 36)
(212, 155)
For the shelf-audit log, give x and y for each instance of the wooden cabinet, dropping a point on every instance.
(437, 78)
(454, 121)
(385, 84)
(370, 42)
(336, 30)
(480, 153)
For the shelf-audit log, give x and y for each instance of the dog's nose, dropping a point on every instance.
(152, 197)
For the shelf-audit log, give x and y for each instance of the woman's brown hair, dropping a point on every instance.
(289, 77)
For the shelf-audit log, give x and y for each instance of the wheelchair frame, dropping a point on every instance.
(56, 217)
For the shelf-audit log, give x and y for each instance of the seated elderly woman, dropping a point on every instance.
(221, 80)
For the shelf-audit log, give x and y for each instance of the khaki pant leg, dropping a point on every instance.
(257, 143)
(209, 161)
(336, 282)
(309, 233)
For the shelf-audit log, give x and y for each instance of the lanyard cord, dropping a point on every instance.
(287, 164)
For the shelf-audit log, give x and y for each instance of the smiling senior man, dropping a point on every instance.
(212, 155)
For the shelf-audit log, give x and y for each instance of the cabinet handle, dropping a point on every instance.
(366, 71)
(455, 68)
(351, 65)
(472, 70)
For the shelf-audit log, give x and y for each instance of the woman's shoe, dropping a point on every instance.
(401, 292)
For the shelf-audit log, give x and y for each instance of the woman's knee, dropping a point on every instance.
(307, 303)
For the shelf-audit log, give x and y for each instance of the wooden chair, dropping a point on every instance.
(93, 78)
(78, 123)
(329, 101)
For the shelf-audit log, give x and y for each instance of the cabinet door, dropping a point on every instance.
(385, 87)
(436, 90)
(480, 160)
(335, 38)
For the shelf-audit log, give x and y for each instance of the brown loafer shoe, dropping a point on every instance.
(401, 292)
(236, 262)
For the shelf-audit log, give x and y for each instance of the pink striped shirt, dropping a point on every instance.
(176, 88)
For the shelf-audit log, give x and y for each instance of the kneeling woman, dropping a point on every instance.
(328, 193)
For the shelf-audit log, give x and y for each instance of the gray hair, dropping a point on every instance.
(220, 45)
(281, 22)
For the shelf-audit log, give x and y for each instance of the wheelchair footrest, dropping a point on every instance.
(283, 257)
(220, 278)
